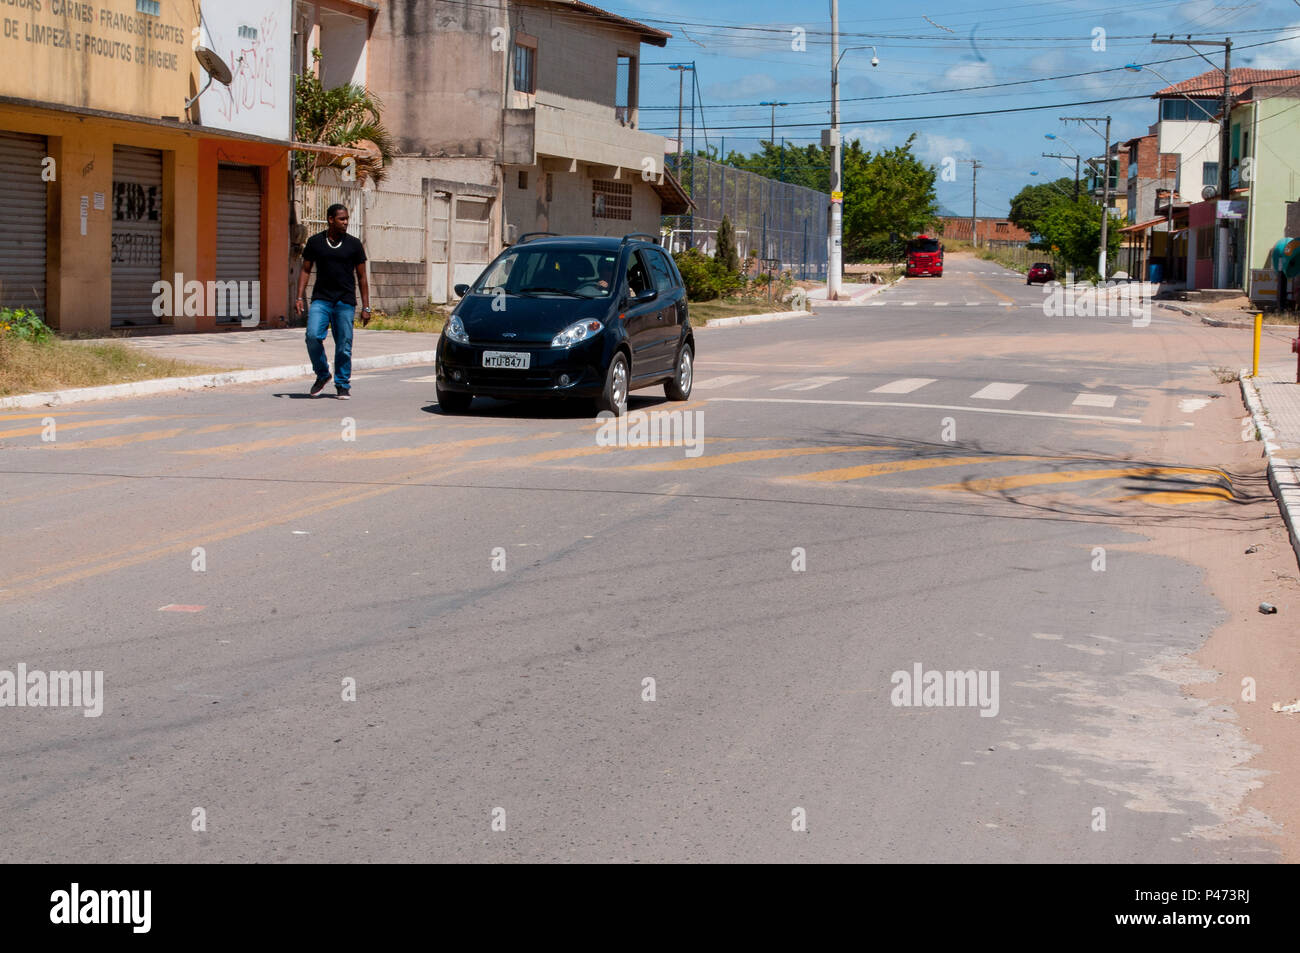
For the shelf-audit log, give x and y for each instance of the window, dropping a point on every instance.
(1182, 110)
(550, 181)
(662, 270)
(523, 178)
(611, 200)
(638, 280)
(1210, 173)
(525, 68)
(1004, 227)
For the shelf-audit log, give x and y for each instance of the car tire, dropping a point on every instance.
(454, 402)
(613, 399)
(679, 386)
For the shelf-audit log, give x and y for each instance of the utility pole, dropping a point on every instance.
(1055, 155)
(835, 220)
(1105, 182)
(974, 218)
(1225, 121)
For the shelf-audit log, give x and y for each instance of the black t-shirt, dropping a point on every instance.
(336, 268)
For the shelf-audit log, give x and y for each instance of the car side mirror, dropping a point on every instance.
(461, 290)
(648, 295)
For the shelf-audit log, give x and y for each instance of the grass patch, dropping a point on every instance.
(704, 311)
(27, 368)
(428, 318)
(1226, 375)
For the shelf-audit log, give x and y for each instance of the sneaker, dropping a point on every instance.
(345, 393)
(319, 386)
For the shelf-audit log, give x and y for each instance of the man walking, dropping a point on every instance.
(340, 261)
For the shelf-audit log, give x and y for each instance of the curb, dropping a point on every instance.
(166, 385)
(738, 319)
(1244, 325)
(861, 296)
(1283, 476)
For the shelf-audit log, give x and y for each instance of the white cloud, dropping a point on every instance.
(934, 148)
(871, 137)
(1284, 55)
(966, 73)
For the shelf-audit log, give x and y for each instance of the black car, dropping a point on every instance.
(573, 316)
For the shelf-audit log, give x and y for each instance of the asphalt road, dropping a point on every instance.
(945, 463)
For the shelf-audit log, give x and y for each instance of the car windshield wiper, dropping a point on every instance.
(556, 291)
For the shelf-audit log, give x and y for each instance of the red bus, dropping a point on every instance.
(924, 257)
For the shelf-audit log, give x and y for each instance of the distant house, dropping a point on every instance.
(991, 232)
(511, 118)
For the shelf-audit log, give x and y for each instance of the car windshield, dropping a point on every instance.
(924, 245)
(551, 271)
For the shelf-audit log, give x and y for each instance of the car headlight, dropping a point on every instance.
(577, 332)
(455, 330)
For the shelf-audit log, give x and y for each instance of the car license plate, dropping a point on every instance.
(513, 360)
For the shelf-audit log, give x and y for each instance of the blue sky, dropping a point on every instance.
(743, 54)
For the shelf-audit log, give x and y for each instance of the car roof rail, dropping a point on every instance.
(646, 235)
(527, 235)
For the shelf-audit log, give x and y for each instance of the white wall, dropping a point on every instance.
(1196, 143)
(254, 37)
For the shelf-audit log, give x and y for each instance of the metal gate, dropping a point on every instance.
(22, 240)
(137, 233)
(239, 230)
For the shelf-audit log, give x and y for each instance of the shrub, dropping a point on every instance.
(706, 278)
(24, 324)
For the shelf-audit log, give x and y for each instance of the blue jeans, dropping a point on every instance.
(337, 317)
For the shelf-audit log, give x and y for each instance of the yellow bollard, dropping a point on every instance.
(1259, 328)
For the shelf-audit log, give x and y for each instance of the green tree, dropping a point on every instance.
(889, 192)
(726, 254)
(1033, 202)
(1073, 230)
(347, 115)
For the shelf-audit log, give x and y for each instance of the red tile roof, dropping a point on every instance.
(1210, 83)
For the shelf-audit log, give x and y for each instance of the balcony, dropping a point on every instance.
(569, 134)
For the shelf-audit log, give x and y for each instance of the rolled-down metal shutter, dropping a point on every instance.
(137, 233)
(239, 226)
(22, 239)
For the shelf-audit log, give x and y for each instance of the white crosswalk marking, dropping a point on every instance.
(1095, 400)
(810, 383)
(909, 304)
(725, 380)
(875, 304)
(998, 391)
(430, 379)
(904, 386)
(940, 304)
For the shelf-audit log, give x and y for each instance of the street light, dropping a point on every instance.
(835, 221)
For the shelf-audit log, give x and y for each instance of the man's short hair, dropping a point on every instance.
(335, 209)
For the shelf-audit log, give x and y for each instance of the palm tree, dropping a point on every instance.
(347, 115)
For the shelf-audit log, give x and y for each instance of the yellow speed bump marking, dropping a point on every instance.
(77, 424)
(452, 446)
(993, 484)
(274, 443)
(744, 456)
(1175, 497)
(900, 466)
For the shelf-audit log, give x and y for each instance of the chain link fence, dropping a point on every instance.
(771, 220)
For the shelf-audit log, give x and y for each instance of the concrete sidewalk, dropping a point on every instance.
(276, 347)
(252, 356)
(851, 293)
(1274, 401)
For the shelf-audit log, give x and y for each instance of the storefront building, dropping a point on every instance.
(113, 185)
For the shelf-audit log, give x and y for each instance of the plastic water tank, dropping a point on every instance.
(1155, 272)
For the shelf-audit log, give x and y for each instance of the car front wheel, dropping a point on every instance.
(614, 398)
(679, 388)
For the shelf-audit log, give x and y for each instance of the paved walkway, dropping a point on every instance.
(274, 348)
(1274, 400)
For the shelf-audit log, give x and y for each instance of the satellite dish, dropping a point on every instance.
(1209, 192)
(215, 67)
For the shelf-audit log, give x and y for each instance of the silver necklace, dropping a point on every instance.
(330, 243)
